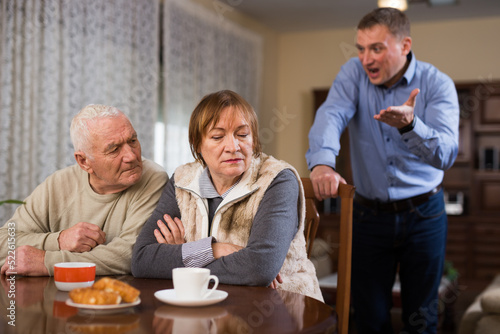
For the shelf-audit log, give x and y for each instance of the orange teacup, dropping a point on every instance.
(72, 275)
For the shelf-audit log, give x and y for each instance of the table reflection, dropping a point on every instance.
(31, 300)
(96, 323)
(38, 307)
(212, 319)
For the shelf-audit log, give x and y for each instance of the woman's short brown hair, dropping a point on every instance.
(207, 113)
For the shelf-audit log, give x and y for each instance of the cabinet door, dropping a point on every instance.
(488, 116)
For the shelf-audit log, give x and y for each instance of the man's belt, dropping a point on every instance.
(396, 206)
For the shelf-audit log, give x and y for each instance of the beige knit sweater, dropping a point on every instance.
(66, 198)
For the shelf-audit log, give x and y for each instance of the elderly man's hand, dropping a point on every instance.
(29, 261)
(81, 237)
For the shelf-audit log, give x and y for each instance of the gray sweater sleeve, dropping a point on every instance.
(273, 229)
(149, 258)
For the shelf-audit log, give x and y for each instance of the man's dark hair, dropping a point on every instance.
(395, 20)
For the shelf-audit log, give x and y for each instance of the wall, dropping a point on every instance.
(296, 63)
(467, 50)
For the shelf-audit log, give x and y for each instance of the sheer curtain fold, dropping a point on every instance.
(203, 52)
(56, 56)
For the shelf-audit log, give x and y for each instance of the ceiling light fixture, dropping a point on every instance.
(402, 5)
(442, 2)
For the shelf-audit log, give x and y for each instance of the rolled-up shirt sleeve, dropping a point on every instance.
(198, 253)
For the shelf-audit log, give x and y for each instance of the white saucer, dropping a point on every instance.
(103, 308)
(168, 296)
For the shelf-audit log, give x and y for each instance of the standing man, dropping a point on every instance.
(91, 211)
(403, 117)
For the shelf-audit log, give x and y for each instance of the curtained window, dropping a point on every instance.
(56, 56)
(202, 53)
(153, 62)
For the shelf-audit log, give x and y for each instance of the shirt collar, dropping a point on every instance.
(207, 189)
(408, 75)
(410, 71)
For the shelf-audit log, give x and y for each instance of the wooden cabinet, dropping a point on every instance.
(474, 235)
(476, 171)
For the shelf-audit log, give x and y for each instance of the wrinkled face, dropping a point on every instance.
(382, 54)
(116, 163)
(227, 147)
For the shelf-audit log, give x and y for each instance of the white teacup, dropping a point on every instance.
(192, 283)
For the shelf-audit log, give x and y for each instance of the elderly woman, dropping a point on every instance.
(235, 210)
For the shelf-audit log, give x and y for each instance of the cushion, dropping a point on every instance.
(490, 301)
(320, 248)
(488, 325)
(320, 257)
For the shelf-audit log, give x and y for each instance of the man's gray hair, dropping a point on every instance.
(79, 130)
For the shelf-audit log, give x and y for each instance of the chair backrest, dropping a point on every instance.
(346, 194)
(312, 216)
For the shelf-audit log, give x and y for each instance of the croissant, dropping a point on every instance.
(93, 296)
(128, 293)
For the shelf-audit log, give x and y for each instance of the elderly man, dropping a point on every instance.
(91, 211)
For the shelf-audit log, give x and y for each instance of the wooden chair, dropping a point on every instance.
(343, 294)
(312, 216)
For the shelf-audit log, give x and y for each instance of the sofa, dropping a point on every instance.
(483, 315)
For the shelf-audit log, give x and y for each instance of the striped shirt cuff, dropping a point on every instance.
(198, 253)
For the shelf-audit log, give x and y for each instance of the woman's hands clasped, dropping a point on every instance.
(170, 232)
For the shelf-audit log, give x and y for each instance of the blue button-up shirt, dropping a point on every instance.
(386, 165)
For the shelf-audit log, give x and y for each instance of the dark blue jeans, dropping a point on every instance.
(412, 242)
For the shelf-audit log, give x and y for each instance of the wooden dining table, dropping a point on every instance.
(34, 305)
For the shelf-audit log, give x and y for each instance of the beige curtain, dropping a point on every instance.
(203, 52)
(57, 56)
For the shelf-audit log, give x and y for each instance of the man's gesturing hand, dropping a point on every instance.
(399, 116)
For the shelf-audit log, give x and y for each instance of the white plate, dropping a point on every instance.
(103, 307)
(168, 296)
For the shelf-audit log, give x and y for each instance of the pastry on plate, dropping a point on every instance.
(128, 293)
(92, 296)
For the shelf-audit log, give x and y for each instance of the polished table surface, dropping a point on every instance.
(34, 305)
